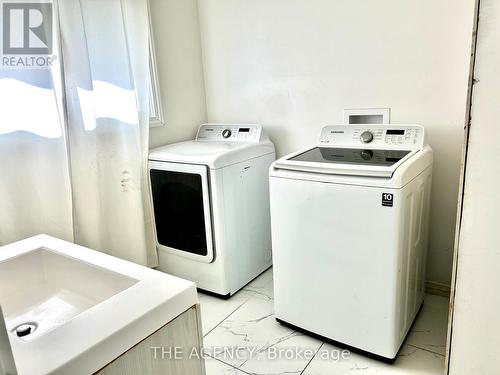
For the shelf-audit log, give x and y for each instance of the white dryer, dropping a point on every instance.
(211, 206)
(349, 221)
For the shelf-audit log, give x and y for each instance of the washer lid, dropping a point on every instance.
(333, 155)
(360, 150)
(345, 161)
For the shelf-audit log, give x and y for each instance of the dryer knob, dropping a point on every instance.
(366, 136)
(226, 133)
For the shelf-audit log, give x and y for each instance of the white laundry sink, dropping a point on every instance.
(69, 309)
(44, 289)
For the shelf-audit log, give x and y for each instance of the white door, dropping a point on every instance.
(181, 202)
(474, 344)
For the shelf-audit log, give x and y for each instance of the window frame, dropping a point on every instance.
(156, 118)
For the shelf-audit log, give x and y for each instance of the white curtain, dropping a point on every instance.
(104, 133)
(35, 195)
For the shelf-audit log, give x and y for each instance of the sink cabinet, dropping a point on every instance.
(156, 353)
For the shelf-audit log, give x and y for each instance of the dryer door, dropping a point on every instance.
(181, 203)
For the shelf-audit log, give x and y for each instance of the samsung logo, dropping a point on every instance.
(337, 132)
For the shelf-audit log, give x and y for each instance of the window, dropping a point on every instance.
(155, 104)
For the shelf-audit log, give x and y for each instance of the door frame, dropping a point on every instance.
(463, 166)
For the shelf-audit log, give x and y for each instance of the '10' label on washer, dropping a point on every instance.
(387, 199)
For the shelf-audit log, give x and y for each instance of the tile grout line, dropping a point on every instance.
(223, 320)
(232, 312)
(250, 296)
(227, 364)
(314, 356)
(424, 349)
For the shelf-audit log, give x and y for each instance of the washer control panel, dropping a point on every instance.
(402, 137)
(230, 132)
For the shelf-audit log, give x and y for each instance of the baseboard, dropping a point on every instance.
(439, 289)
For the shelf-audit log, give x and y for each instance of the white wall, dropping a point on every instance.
(178, 53)
(294, 65)
(475, 339)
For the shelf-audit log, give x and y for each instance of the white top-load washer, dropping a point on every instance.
(211, 206)
(349, 221)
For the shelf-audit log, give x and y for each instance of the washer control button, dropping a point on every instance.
(366, 136)
(226, 133)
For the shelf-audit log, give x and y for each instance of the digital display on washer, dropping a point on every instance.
(244, 130)
(351, 156)
(395, 132)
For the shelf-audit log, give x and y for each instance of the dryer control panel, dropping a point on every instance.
(396, 137)
(230, 132)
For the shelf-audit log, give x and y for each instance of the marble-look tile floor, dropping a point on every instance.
(265, 347)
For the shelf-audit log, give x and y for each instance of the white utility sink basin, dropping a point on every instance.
(46, 289)
(72, 310)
